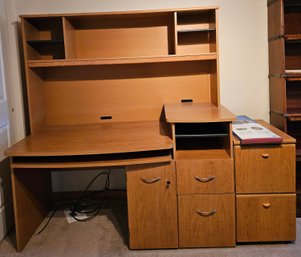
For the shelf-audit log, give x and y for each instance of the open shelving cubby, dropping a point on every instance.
(196, 32)
(44, 38)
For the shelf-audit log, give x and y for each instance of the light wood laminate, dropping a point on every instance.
(266, 217)
(95, 139)
(287, 139)
(206, 220)
(31, 191)
(152, 206)
(265, 169)
(196, 112)
(205, 176)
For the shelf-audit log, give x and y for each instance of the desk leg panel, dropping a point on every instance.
(31, 190)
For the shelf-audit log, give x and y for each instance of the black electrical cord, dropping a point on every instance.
(85, 206)
(82, 205)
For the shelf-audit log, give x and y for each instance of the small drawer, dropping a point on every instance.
(264, 218)
(265, 169)
(206, 220)
(205, 176)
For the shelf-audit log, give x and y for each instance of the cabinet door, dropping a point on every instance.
(266, 217)
(152, 206)
(205, 176)
(266, 169)
(206, 220)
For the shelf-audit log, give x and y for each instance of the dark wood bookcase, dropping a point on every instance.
(284, 33)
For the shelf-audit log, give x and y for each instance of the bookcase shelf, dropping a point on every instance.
(129, 60)
(285, 67)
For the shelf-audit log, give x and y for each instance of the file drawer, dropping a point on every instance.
(206, 220)
(265, 169)
(205, 176)
(266, 217)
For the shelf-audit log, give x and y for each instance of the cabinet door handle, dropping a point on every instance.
(206, 213)
(266, 205)
(150, 180)
(209, 178)
(265, 155)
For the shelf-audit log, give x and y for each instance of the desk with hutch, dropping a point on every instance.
(138, 90)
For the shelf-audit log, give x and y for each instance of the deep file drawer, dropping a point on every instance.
(205, 176)
(265, 169)
(266, 217)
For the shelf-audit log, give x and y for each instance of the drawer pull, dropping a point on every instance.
(206, 213)
(204, 179)
(150, 180)
(265, 155)
(266, 205)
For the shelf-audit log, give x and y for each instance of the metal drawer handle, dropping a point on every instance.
(209, 178)
(206, 213)
(265, 155)
(150, 180)
(266, 205)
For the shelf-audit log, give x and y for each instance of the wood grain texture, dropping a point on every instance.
(196, 112)
(287, 139)
(205, 176)
(216, 230)
(275, 19)
(276, 57)
(92, 139)
(152, 207)
(32, 199)
(265, 169)
(69, 39)
(277, 94)
(119, 60)
(121, 13)
(276, 221)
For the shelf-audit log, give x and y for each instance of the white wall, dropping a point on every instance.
(243, 49)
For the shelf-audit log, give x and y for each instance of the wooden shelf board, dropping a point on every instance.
(202, 154)
(292, 37)
(94, 164)
(109, 61)
(92, 139)
(196, 112)
(293, 75)
(41, 42)
(286, 138)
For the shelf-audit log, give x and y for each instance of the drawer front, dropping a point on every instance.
(263, 218)
(206, 220)
(265, 169)
(205, 176)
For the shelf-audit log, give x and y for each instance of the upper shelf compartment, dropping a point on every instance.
(44, 38)
(119, 36)
(196, 32)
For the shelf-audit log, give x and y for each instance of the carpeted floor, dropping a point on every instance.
(106, 235)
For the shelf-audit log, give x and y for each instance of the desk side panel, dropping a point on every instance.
(32, 198)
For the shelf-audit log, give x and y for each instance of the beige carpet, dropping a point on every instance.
(106, 235)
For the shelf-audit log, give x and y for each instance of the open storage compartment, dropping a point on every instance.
(292, 17)
(123, 35)
(202, 140)
(196, 32)
(293, 97)
(44, 38)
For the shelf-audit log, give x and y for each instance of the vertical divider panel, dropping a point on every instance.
(69, 39)
(176, 31)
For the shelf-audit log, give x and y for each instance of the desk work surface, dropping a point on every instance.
(90, 139)
(196, 112)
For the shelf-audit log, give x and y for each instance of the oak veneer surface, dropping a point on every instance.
(266, 217)
(285, 137)
(152, 206)
(196, 112)
(107, 138)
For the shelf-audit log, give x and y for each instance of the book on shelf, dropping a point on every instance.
(249, 131)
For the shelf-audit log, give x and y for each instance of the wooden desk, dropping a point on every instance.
(80, 146)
